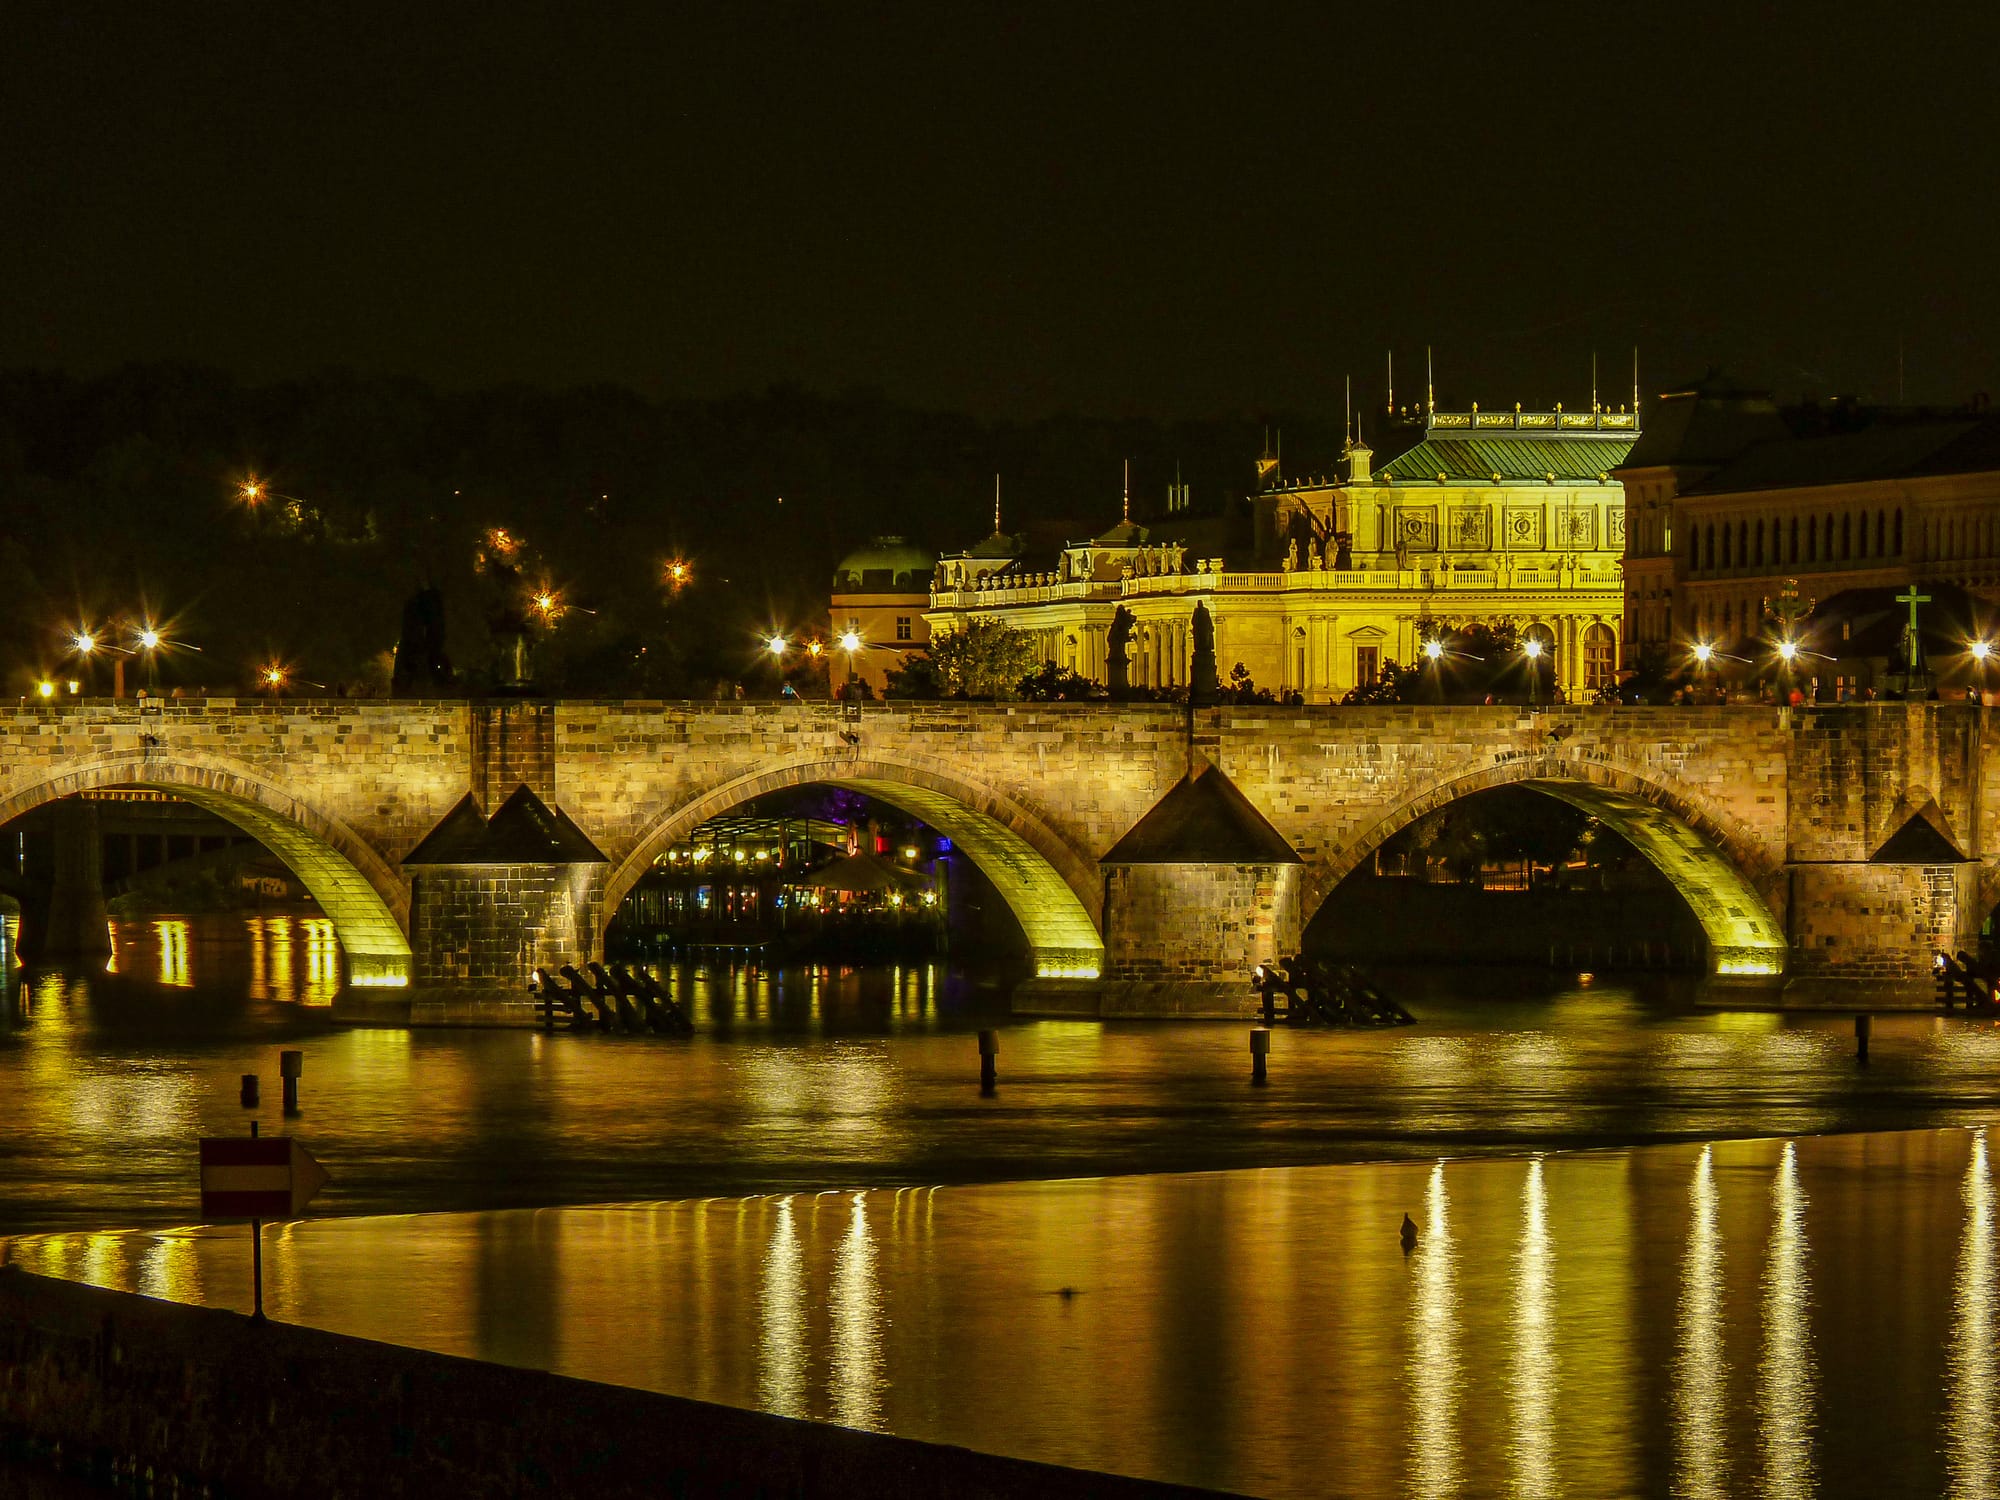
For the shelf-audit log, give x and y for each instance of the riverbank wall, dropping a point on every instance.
(128, 1384)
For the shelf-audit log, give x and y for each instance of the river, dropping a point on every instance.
(808, 1207)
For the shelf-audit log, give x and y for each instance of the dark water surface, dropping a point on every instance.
(809, 1079)
(1775, 1318)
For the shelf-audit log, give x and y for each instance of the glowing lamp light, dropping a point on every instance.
(814, 649)
(1980, 650)
(149, 639)
(850, 643)
(251, 491)
(1704, 653)
(1435, 649)
(1531, 648)
(775, 645)
(46, 688)
(546, 602)
(1788, 650)
(84, 642)
(274, 676)
(74, 686)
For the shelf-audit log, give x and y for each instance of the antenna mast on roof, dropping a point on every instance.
(996, 505)
(1430, 390)
(1128, 489)
(1593, 380)
(1350, 411)
(1392, 382)
(1635, 383)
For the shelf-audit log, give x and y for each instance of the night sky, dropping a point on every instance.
(1166, 212)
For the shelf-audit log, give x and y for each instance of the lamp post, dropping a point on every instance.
(1434, 654)
(1979, 651)
(775, 644)
(850, 642)
(1532, 649)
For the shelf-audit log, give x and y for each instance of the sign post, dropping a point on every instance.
(257, 1179)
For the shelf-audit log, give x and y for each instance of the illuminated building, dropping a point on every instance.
(1460, 517)
(1730, 496)
(879, 594)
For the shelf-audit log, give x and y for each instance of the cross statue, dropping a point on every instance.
(1913, 647)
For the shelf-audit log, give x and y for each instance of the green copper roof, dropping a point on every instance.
(1474, 460)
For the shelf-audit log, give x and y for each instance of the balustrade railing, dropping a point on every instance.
(1376, 580)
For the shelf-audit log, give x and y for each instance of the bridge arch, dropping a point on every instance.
(1051, 890)
(1717, 873)
(361, 895)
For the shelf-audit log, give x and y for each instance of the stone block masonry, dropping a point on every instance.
(1768, 820)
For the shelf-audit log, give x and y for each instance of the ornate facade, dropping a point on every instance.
(1474, 517)
(1734, 499)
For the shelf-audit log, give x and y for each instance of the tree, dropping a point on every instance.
(1054, 684)
(916, 678)
(987, 659)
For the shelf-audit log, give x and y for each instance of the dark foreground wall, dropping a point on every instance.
(278, 1410)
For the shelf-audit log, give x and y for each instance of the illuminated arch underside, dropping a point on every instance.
(377, 951)
(1060, 932)
(1743, 936)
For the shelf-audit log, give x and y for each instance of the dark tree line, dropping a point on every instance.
(119, 499)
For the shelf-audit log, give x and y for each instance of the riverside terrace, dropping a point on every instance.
(1150, 854)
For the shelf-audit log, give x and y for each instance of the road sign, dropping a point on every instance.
(250, 1178)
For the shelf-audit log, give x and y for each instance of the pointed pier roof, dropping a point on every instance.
(1204, 820)
(524, 830)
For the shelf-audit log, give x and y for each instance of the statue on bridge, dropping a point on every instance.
(423, 669)
(1204, 684)
(1117, 648)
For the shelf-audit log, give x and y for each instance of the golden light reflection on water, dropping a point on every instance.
(1701, 1368)
(1972, 1455)
(1532, 1448)
(857, 1326)
(171, 936)
(1259, 1331)
(1434, 1371)
(782, 1348)
(1785, 1376)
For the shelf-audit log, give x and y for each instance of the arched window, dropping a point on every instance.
(1899, 532)
(1600, 652)
(1742, 544)
(1760, 541)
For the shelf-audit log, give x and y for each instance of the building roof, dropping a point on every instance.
(1883, 449)
(1203, 820)
(524, 831)
(1125, 534)
(1476, 457)
(1705, 422)
(887, 563)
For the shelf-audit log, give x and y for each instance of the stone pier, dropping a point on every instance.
(1824, 850)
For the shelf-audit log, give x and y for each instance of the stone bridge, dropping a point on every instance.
(1815, 845)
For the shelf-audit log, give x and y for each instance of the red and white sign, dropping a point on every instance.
(244, 1177)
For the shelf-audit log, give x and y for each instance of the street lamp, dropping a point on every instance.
(1532, 649)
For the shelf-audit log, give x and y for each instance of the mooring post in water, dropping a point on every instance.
(1862, 1026)
(290, 1066)
(249, 1092)
(989, 1052)
(1260, 1050)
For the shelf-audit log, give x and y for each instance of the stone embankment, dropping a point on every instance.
(195, 1397)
